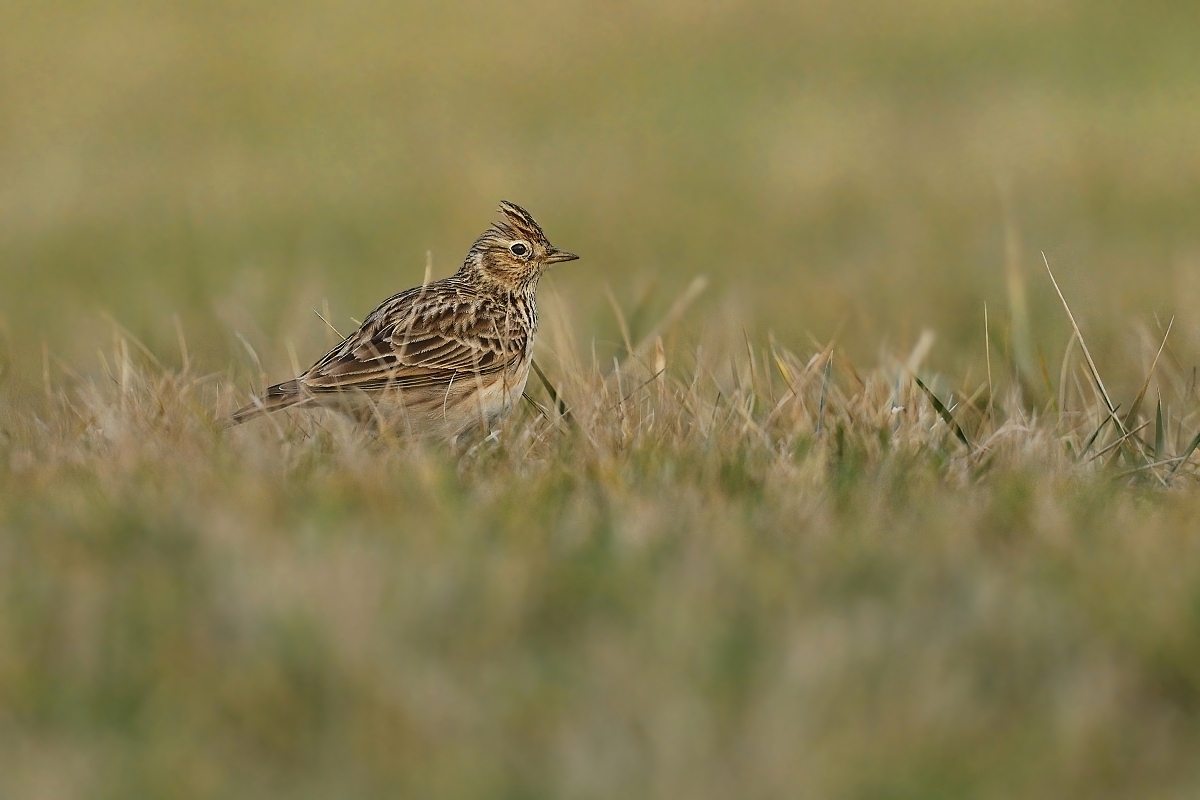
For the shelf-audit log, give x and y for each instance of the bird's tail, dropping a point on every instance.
(281, 395)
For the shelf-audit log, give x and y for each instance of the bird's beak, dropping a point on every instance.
(556, 256)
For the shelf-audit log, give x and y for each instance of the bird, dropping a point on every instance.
(441, 359)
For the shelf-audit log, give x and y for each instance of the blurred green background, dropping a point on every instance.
(643, 609)
(859, 169)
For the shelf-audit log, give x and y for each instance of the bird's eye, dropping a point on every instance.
(519, 249)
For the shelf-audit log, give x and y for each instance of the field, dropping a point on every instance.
(865, 463)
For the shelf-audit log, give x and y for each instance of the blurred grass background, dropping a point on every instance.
(845, 169)
(185, 614)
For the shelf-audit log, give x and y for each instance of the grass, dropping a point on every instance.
(828, 490)
(722, 573)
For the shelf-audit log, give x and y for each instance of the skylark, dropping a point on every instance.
(443, 358)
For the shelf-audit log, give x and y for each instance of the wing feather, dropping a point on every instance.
(425, 337)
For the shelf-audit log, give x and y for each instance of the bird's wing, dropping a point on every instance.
(417, 339)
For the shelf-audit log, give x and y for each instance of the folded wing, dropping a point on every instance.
(416, 340)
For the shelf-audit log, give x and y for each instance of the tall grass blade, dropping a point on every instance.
(824, 387)
(1018, 302)
(336, 332)
(987, 350)
(1045, 372)
(1092, 365)
(557, 400)
(622, 324)
(1137, 402)
(1186, 454)
(1160, 432)
(1115, 446)
(944, 413)
(1096, 433)
(675, 312)
(1064, 373)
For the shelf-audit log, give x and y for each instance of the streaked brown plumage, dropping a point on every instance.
(443, 358)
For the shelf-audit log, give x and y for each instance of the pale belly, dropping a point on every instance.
(469, 403)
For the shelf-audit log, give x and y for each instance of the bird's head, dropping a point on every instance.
(513, 251)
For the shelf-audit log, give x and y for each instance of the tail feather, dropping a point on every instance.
(281, 395)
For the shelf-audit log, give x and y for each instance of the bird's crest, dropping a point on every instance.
(517, 223)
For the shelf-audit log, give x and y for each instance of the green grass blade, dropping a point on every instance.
(824, 389)
(944, 413)
(563, 411)
(1186, 454)
(1160, 432)
(1095, 434)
